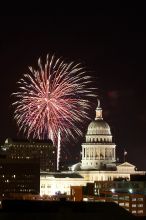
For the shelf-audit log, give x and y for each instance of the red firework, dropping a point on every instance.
(55, 96)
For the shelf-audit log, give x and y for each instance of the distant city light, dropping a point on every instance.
(130, 190)
(113, 190)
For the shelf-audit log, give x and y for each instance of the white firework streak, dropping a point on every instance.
(53, 97)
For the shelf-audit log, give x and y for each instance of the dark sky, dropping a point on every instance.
(112, 46)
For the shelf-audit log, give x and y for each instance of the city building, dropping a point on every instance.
(59, 183)
(45, 152)
(98, 161)
(132, 202)
(99, 154)
(121, 186)
(19, 176)
(97, 177)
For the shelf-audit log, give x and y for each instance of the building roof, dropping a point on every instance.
(126, 164)
(26, 141)
(61, 175)
(98, 127)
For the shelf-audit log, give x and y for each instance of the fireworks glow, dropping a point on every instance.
(55, 96)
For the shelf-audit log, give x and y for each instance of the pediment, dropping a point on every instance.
(126, 164)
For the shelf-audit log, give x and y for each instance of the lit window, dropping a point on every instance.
(115, 196)
(127, 204)
(121, 198)
(140, 211)
(140, 199)
(140, 205)
(126, 197)
(121, 204)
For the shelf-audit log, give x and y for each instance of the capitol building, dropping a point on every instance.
(98, 162)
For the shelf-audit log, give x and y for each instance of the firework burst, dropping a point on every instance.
(55, 96)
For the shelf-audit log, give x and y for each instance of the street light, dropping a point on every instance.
(113, 190)
(130, 190)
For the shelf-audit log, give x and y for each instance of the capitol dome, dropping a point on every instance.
(98, 127)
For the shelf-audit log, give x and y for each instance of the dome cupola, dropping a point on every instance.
(98, 126)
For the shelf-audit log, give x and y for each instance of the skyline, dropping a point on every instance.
(112, 48)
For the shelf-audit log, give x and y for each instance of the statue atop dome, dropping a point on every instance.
(98, 101)
(98, 111)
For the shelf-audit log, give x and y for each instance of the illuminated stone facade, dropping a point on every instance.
(59, 183)
(98, 162)
(98, 150)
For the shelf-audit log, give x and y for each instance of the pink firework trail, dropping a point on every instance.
(56, 96)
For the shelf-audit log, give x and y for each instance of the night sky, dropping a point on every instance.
(111, 46)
